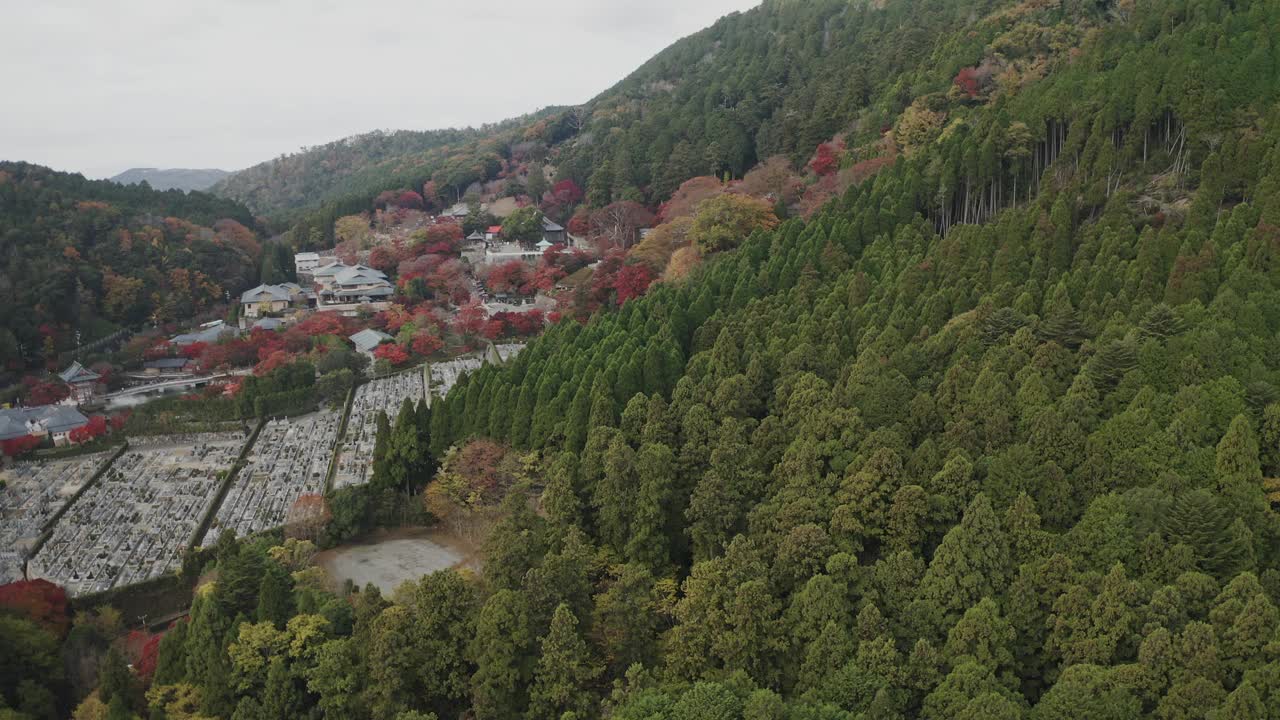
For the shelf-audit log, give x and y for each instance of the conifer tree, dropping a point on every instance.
(655, 507)
(1239, 472)
(565, 672)
(970, 564)
(500, 650)
(275, 596)
(281, 698)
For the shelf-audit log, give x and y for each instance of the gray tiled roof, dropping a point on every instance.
(11, 427)
(54, 418)
(208, 335)
(166, 363)
(368, 339)
(77, 373)
(269, 324)
(273, 293)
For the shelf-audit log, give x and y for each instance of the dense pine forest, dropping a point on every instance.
(92, 256)
(995, 434)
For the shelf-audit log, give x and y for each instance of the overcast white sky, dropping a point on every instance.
(99, 86)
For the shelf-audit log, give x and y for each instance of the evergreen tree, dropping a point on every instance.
(500, 650)
(281, 698)
(564, 673)
(275, 596)
(970, 564)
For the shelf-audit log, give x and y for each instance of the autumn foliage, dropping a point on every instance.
(45, 392)
(471, 482)
(95, 428)
(307, 517)
(39, 600)
(826, 160)
(392, 353)
(510, 278)
(16, 447)
(143, 650)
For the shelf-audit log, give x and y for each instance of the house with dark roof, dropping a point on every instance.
(52, 421)
(83, 382)
(210, 332)
(552, 232)
(167, 366)
(269, 300)
(344, 284)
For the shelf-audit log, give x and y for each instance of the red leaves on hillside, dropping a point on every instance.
(276, 359)
(471, 319)
(509, 277)
(685, 200)
(425, 344)
(383, 258)
(967, 80)
(632, 281)
(95, 428)
(392, 353)
(580, 223)
(826, 160)
(192, 351)
(324, 323)
(40, 601)
(45, 392)
(407, 199)
(143, 650)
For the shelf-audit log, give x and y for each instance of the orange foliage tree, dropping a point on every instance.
(307, 517)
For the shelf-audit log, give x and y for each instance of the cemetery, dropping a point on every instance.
(355, 455)
(444, 375)
(134, 523)
(289, 458)
(32, 493)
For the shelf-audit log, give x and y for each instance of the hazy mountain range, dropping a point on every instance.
(185, 179)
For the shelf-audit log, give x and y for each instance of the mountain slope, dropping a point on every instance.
(993, 435)
(777, 80)
(172, 178)
(88, 256)
(363, 164)
(906, 462)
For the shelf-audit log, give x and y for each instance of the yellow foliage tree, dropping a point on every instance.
(723, 222)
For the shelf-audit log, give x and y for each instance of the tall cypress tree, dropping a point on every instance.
(564, 673)
(971, 563)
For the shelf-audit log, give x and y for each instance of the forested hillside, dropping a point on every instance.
(994, 435)
(358, 166)
(778, 80)
(90, 256)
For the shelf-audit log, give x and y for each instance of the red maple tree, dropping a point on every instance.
(39, 600)
(426, 344)
(15, 447)
(632, 281)
(825, 160)
(95, 428)
(392, 353)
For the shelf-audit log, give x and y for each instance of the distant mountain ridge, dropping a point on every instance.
(185, 179)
